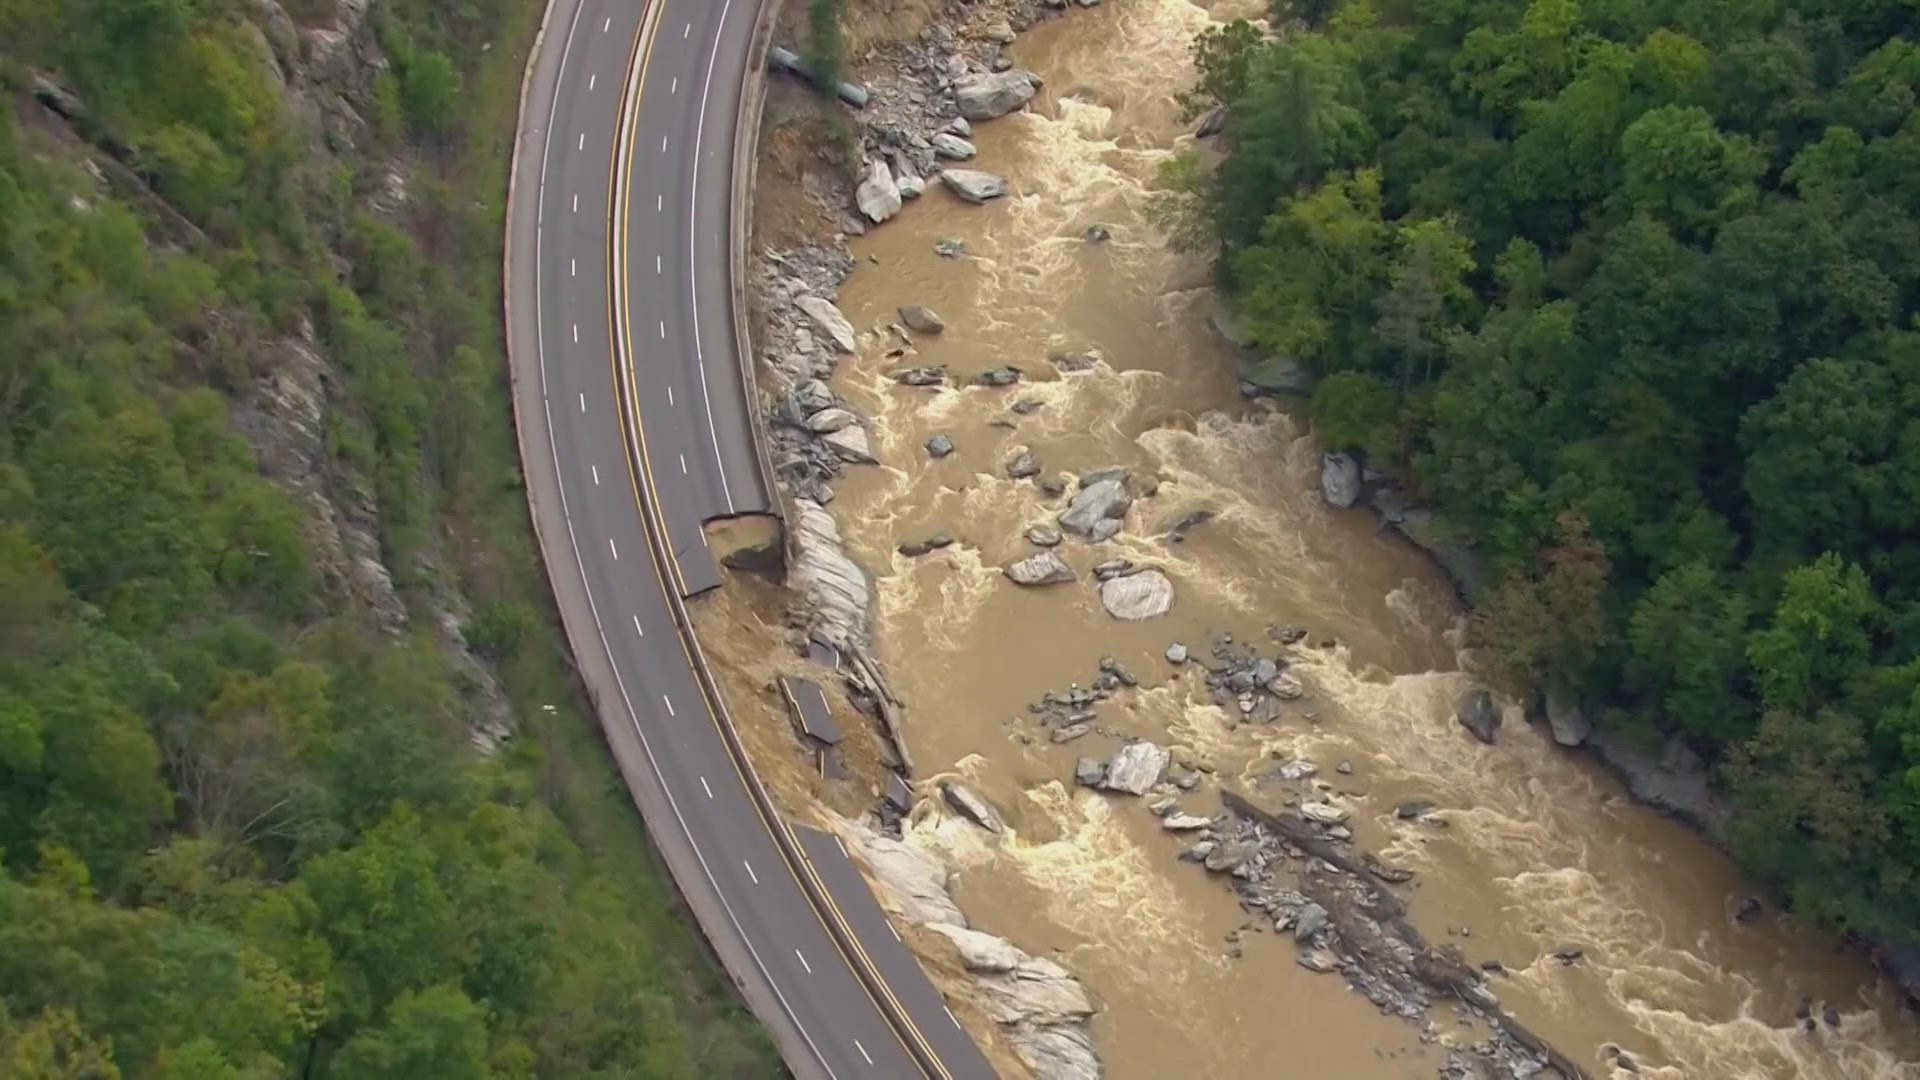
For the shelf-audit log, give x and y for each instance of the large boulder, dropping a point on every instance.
(972, 805)
(1480, 715)
(908, 879)
(1144, 595)
(1020, 988)
(1056, 1051)
(877, 195)
(851, 445)
(1569, 725)
(1045, 568)
(1136, 768)
(1096, 509)
(826, 315)
(987, 94)
(1339, 479)
(831, 419)
(973, 185)
(836, 588)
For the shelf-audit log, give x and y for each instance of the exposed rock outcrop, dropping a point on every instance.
(877, 195)
(1096, 510)
(826, 315)
(1479, 715)
(1043, 568)
(837, 591)
(1339, 479)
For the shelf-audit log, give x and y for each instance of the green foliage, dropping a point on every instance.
(1631, 291)
(243, 830)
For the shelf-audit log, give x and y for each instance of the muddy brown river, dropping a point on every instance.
(1539, 851)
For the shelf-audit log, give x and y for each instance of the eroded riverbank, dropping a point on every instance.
(1610, 925)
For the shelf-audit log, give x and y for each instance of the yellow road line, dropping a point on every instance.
(645, 496)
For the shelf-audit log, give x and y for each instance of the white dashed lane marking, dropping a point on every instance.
(583, 140)
(596, 474)
(669, 702)
(615, 550)
(809, 967)
(591, 79)
(683, 464)
(856, 1042)
(637, 628)
(743, 862)
(705, 788)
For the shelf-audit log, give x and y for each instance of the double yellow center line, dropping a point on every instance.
(667, 569)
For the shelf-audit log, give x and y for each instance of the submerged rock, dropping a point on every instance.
(1144, 595)
(921, 319)
(939, 446)
(1044, 568)
(1004, 375)
(1176, 653)
(1023, 465)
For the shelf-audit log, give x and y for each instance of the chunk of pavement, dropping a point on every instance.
(1089, 772)
(1339, 479)
(831, 419)
(953, 147)
(1479, 714)
(851, 445)
(1023, 465)
(1136, 768)
(939, 446)
(877, 195)
(972, 805)
(1176, 653)
(826, 315)
(985, 95)
(1105, 499)
(1043, 536)
(973, 185)
(1044, 568)
(1145, 595)
(921, 319)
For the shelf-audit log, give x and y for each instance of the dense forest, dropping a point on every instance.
(245, 829)
(1628, 290)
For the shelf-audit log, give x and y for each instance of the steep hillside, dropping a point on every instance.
(294, 779)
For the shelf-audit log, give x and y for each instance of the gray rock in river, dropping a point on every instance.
(835, 587)
(911, 185)
(1023, 465)
(939, 446)
(1004, 375)
(1104, 500)
(1089, 772)
(973, 185)
(1043, 536)
(1136, 768)
(1045, 568)
(953, 147)
(1176, 653)
(1479, 714)
(972, 805)
(1213, 123)
(958, 126)
(921, 319)
(826, 315)
(933, 375)
(851, 444)
(812, 395)
(986, 95)
(877, 195)
(1307, 924)
(1145, 595)
(1339, 479)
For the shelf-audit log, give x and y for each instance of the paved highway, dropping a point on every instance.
(617, 247)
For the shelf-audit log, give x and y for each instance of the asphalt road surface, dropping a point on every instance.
(687, 443)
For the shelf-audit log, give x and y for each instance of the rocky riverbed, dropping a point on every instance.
(1179, 696)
